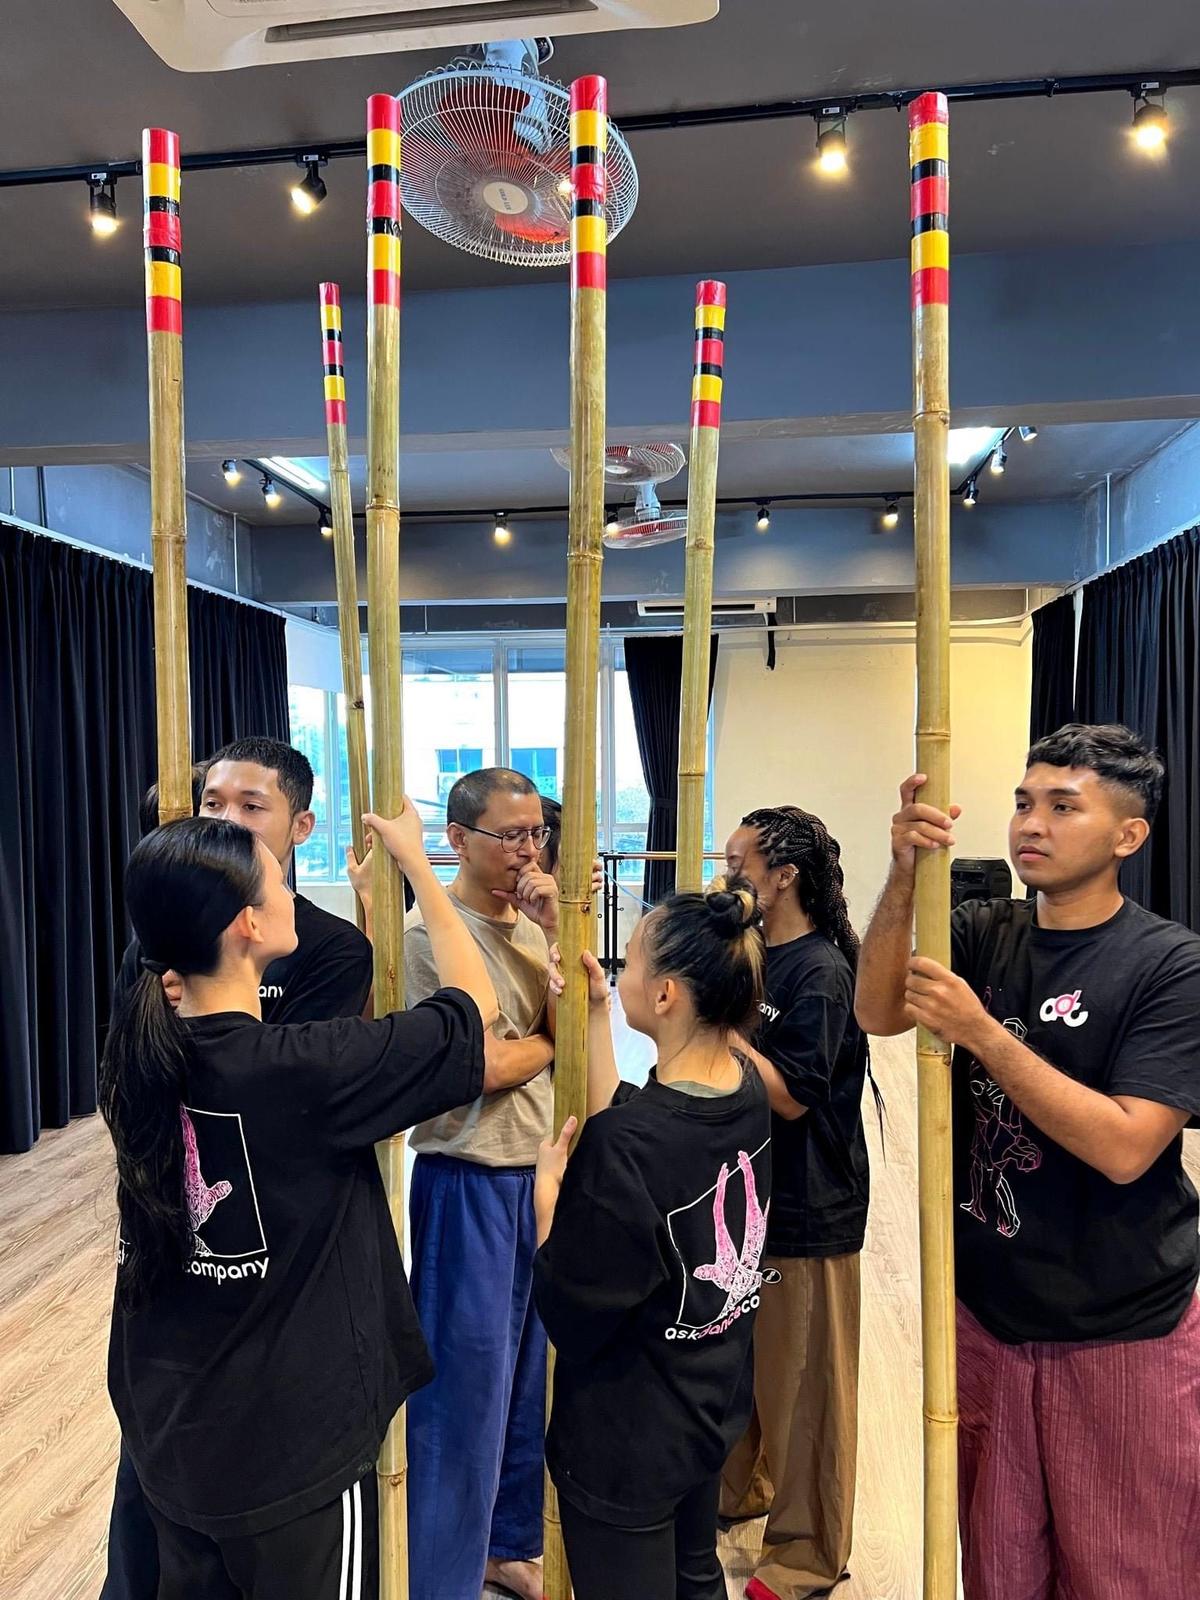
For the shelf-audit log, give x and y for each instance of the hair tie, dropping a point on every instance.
(158, 968)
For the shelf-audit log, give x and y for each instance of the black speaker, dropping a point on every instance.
(979, 879)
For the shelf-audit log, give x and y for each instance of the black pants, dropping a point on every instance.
(331, 1554)
(132, 1541)
(671, 1560)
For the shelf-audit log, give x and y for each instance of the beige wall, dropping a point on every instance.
(831, 729)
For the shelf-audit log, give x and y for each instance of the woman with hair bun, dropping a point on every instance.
(648, 1272)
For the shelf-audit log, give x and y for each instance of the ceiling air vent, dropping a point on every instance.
(722, 610)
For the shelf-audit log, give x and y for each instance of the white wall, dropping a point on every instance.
(831, 729)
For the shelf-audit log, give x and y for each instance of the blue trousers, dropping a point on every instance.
(476, 1434)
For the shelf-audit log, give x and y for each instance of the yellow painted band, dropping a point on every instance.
(383, 148)
(710, 317)
(929, 142)
(385, 252)
(164, 278)
(335, 387)
(331, 318)
(706, 387)
(589, 127)
(161, 179)
(589, 234)
(930, 249)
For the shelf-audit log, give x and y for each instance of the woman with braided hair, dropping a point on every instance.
(796, 1463)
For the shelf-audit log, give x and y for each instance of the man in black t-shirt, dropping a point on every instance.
(267, 787)
(797, 1462)
(1077, 1066)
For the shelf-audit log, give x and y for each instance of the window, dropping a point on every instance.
(540, 766)
(308, 715)
(455, 764)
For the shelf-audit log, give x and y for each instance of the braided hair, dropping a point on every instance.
(788, 836)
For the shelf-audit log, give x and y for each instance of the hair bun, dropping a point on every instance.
(733, 905)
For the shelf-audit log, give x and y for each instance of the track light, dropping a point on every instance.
(1150, 122)
(891, 514)
(763, 521)
(102, 204)
(232, 472)
(565, 188)
(611, 525)
(326, 525)
(310, 191)
(502, 533)
(970, 494)
(270, 493)
(1028, 433)
(999, 460)
(831, 142)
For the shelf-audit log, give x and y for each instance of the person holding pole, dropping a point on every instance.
(1077, 1065)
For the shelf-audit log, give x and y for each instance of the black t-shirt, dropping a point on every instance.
(260, 1385)
(327, 975)
(1047, 1248)
(647, 1286)
(820, 1178)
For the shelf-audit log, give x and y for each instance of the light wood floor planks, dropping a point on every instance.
(58, 1439)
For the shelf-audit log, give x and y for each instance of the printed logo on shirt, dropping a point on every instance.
(221, 1199)
(1064, 1008)
(721, 1279)
(999, 1146)
(270, 991)
(769, 1011)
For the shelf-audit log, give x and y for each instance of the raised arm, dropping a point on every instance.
(602, 1075)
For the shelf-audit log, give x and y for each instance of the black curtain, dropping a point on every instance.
(655, 668)
(1139, 663)
(1053, 698)
(77, 750)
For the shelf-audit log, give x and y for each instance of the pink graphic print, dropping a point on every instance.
(999, 1144)
(202, 1198)
(738, 1275)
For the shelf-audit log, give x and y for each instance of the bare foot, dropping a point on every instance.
(523, 1578)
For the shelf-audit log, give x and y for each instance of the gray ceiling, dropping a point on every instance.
(1061, 463)
(77, 83)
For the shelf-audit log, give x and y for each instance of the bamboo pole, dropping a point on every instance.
(334, 371)
(707, 382)
(383, 614)
(928, 139)
(168, 506)
(589, 246)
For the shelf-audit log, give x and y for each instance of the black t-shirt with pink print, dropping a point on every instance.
(1047, 1247)
(648, 1286)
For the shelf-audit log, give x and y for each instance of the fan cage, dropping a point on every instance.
(640, 535)
(486, 159)
(634, 464)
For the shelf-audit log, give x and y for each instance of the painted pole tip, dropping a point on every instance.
(932, 106)
(383, 111)
(589, 94)
(710, 292)
(331, 294)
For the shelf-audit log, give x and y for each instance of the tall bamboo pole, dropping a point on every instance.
(383, 616)
(707, 382)
(168, 514)
(334, 371)
(928, 144)
(585, 551)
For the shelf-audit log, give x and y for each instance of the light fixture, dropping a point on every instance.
(326, 524)
(233, 473)
(831, 141)
(611, 525)
(270, 493)
(763, 521)
(891, 514)
(292, 472)
(502, 533)
(565, 188)
(310, 191)
(999, 460)
(1027, 432)
(1150, 123)
(970, 494)
(968, 444)
(102, 204)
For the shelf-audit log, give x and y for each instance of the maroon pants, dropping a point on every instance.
(1079, 1466)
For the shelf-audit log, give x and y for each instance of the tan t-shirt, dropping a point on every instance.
(502, 1129)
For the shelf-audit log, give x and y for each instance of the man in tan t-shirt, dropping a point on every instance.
(475, 1434)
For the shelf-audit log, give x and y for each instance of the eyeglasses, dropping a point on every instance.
(513, 838)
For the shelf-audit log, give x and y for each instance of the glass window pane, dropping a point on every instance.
(449, 725)
(536, 712)
(307, 715)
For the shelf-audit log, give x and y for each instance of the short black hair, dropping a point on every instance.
(552, 818)
(468, 799)
(148, 805)
(292, 770)
(1116, 754)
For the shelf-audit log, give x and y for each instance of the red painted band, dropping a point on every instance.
(589, 181)
(589, 270)
(335, 413)
(331, 295)
(710, 292)
(706, 413)
(931, 107)
(162, 229)
(383, 111)
(711, 352)
(164, 315)
(383, 200)
(589, 94)
(930, 194)
(333, 356)
(383, 287)
(931, 287)
(161, 146)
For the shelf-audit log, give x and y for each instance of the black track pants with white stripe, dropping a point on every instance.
(331, 1554)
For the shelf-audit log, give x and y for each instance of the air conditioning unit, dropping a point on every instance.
(215, 35)
(722, 610)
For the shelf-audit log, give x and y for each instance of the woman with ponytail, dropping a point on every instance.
(263, 1334)
(648, 1276)
(797, 1461)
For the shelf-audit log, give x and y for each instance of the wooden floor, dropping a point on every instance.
(58, 1438)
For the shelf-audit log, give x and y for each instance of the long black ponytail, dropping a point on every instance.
(788, 836)
(184, 885)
